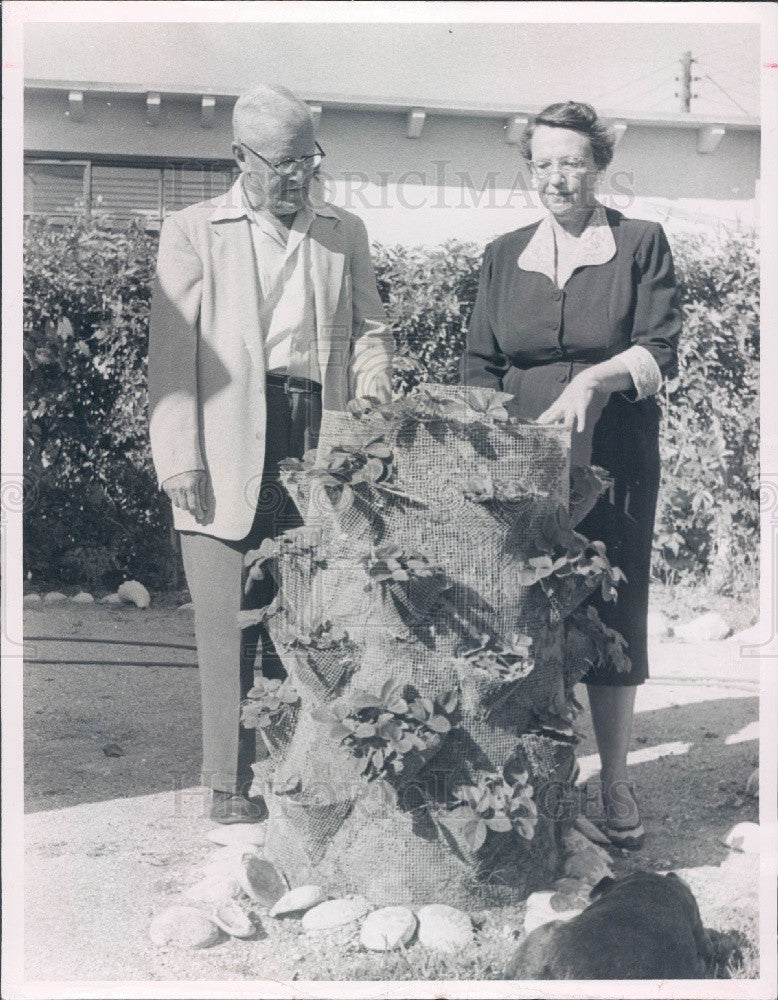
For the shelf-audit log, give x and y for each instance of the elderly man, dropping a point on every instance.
(265, 310)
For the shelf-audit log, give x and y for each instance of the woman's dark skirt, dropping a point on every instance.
(626, 443)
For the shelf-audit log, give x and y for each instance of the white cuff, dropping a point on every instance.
(644, 370)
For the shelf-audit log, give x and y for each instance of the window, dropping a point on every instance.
(126, 192)
(56, 189)
(185, 186)
(117, 191)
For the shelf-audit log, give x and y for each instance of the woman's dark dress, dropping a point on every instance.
(530, 338)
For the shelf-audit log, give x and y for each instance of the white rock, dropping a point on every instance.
(388, 928)
(132, 592)
(33, 599)
(710, 627)
(83, 598)
(744, 837)
(304, 897)
(238, 834)
(335, 913)
(186, 607)
(213, 890)
(444, 928)
(658, 625)
(540, 911)
(590, 831)
(184, 927)
(752, 785)
(54, 597)
(261, 880)
(111, 599)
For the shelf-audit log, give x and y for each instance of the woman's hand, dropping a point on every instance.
(580, 404)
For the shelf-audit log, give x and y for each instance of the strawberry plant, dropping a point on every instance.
(500, 660)
(271, 708)
(561, 552)
(390, 562)
(587, 483)
(609, 645)
(325, 636)
(491, 803)
(387, 731)
(486, 490)
(345, 467)
(266, 701)
(296, 542)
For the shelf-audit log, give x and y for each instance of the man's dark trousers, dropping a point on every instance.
(216, 576)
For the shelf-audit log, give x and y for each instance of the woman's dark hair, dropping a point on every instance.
(578, 117)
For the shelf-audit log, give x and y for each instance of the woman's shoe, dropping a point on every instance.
(630, 837)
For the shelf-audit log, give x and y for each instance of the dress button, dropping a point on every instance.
(563, 378)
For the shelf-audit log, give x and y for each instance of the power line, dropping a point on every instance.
(602, 95)
(707, 76)
(645, 93)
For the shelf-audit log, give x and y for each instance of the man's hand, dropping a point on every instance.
(187, 491)
(579, 404)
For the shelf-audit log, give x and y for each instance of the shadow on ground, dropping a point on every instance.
(689, 800)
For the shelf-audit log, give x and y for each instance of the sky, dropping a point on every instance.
(623, 68)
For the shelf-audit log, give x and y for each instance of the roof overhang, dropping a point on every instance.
(398, 105)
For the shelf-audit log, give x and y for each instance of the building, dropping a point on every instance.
(416, 174)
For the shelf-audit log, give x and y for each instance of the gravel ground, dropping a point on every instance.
(111, 840)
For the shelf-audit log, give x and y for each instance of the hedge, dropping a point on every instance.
(95, 513)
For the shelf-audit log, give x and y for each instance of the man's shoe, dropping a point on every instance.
(234, 807)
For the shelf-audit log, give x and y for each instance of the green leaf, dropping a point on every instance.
(449, 701)
(474, 833)
(499, 824)
(417, 710)
(363, 699)
(438, 724)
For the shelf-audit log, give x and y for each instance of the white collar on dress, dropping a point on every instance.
(595, 245)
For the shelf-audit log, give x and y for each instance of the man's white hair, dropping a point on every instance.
(266, 104)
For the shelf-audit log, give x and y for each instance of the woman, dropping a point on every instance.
(577, 316)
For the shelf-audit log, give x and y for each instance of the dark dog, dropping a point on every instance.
(643, 926)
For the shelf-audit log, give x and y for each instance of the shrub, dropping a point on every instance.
(429, 295)
(708, 517)
(97, 515)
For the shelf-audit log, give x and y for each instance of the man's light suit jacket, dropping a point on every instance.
(206, 355)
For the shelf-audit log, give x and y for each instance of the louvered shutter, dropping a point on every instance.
(54, 189)
(185, 186)
(126, 192)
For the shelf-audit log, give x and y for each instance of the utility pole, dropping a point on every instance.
(686, 81)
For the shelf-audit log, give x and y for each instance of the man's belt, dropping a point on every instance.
(291, 383)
